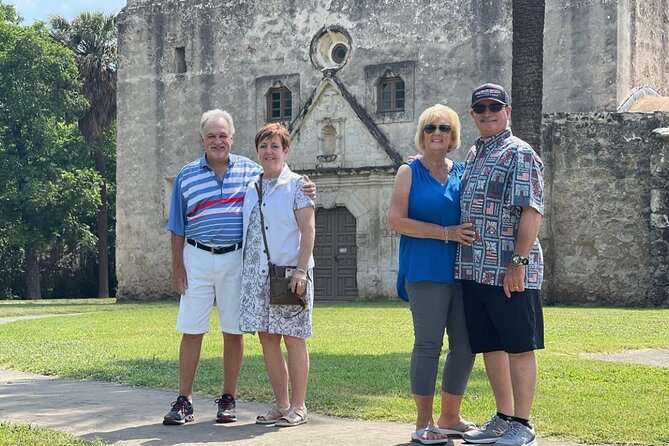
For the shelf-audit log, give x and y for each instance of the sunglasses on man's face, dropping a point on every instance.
(443, 128)
(494, 107)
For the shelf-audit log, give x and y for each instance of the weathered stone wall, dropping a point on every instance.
(455, 45)
(650, 57)
(659, 223)
(597, 51)
(234, 50)
(606, 233)
(580, 55)
(232, 47)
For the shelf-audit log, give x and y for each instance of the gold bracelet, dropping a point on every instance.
(301, 270)
(445, 234)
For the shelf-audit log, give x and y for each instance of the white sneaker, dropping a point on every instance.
(517, 435)
(490, 432)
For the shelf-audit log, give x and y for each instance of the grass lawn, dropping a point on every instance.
(360, 356)
(12, 435)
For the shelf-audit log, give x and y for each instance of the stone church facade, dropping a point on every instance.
(349, 78)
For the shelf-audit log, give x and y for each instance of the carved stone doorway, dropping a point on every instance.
(335, 254)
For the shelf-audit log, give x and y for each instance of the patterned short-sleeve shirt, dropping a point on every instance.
(503, 174)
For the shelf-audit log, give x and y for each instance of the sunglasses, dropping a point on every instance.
(494, 107)
(443, 128)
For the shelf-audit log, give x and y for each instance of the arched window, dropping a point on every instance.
(390, 95)
(279, 104)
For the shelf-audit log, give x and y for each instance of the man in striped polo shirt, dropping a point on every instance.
(205, 222)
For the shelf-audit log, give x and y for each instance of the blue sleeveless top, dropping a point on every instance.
(428, 259)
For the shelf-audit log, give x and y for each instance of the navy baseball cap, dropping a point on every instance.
(493, 92)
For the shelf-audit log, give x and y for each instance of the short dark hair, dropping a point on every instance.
(273, 129)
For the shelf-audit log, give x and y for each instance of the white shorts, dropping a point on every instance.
(212, 279)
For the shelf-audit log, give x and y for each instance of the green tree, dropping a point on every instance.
(528, 69)
(93, 38)
(42, 198)
(9, 14)
(71, 268)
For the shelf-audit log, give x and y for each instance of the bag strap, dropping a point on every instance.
(262, 219)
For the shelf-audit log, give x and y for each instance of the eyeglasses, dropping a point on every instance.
(443, 128)
(494, 107)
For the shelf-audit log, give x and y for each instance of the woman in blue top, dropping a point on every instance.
(425, 209)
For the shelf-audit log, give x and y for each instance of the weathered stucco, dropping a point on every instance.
(597, 51)
(580, 55)
(233, 50)
(606, 233)
(649, 56)
(179, 58)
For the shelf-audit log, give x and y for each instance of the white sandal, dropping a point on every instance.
(275, 413)
(294, 417)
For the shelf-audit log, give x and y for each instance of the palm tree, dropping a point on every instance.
(527, 74)
(93, 38)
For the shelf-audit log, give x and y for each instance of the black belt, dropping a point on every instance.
(212, 249)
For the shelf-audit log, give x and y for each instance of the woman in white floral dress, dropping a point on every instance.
(290, 228)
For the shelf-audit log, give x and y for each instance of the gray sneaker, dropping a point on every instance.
(490, 432)
(517, 435)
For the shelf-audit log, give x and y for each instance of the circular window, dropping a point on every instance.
(338, 53)
(330, 48)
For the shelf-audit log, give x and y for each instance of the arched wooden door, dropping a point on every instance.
(335, 253)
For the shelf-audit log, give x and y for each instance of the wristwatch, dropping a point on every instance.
(517, 260)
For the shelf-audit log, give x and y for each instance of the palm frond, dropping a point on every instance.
(93, 38)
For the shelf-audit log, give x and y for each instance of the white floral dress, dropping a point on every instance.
(256, 313)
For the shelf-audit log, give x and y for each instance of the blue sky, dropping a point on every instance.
(32, 10)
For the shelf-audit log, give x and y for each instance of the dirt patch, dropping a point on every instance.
(9, 319)
(656, 357)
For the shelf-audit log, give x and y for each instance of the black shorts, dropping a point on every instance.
(496, 322)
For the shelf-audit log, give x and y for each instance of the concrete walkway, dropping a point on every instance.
(131, 416)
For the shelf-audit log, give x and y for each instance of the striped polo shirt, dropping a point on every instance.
(206, 208)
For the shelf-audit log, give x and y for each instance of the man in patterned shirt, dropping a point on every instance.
(501, 272)
(205, 225)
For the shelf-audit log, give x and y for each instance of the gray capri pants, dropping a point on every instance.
(437, 307)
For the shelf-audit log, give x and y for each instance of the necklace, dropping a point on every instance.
(440, 173)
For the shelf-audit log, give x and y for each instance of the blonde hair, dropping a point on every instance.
(434, 113)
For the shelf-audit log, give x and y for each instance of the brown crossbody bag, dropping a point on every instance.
(279, 285)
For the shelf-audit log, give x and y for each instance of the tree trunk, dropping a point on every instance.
(33, 290)
(103, 243)
(528, 70)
